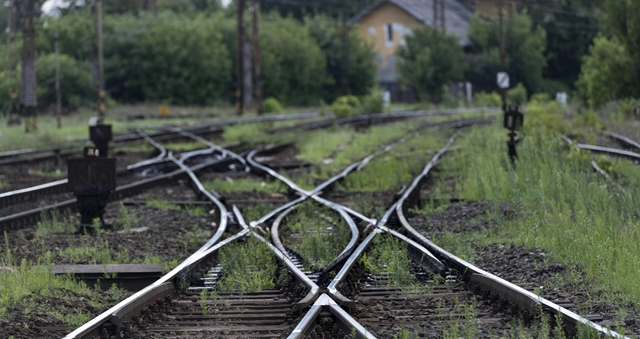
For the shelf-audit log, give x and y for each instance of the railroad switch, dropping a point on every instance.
(101, 135)
(91, 179)
(513, 120)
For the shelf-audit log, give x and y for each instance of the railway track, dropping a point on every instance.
(342, 300)
(217, 158)
(303, 289)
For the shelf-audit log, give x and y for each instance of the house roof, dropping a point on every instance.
(457, 14)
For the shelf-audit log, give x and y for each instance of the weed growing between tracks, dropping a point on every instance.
(247, 266)
(317, 233)
(390, 171)
(564, 207)
(250, 184)
(388, 257)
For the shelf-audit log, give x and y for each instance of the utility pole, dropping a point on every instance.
(438, 14)
(58, 99)
(442, 17)
(14, 117)
(28, 95)
(502, 62)
(257, 58)
(240, 59)
(512, 66)
(99, 78)
(345, 47)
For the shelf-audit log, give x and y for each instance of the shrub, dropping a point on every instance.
(75, 81)
(605, 74)
(542, 98)
(372, 103)
(345, 106)
(272, 105)
(293, 66)
(544, 117)
(517, 95)
(483, 99)
(429, 60)
(327, 32)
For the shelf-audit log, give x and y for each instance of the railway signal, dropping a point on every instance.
(513, 120)
(91, 179)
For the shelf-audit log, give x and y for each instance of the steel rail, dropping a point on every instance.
(521, 297)
(27, 218)
(224, 152)
(345, 321)
(314, 289)
(600, 149)
(426, 258)
(159, 158)
(142, 296)
(134, 136)
(622, 139)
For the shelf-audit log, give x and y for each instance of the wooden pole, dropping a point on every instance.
(257, 58)
(58, 98)
(502, 61)
(240, 59)
(100, 79)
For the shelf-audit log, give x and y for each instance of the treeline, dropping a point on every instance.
(187, 58)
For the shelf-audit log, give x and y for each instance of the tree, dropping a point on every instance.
(361, 67)
(528, 53)
(430, 60)
(293, 66)
(571, 26)
(623, 20)
(605, 73)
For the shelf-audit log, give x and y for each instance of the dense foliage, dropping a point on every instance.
(525, 57)
(430, 60)
(186, 55)
(612, 69)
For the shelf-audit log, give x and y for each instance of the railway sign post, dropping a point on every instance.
(100, 135)
(513, 119)
(91, 179)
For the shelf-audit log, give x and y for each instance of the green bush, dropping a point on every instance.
(372, 103)
(483, 99)
(605, 74)
(293, 67)
(75, 82)
(345, 106)
(327, 32)
(430, 60)
(517, 95)
(528, 52)
(541, 98)
(272, 105)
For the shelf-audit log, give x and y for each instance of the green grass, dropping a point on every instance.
(390, 171)
(245, 185)
(388, 257)
(247, 266)
(51, 222)
(100, 253)
(564, 207)
(317, 146)
(27, 284)
(321, 234)
(75, 126)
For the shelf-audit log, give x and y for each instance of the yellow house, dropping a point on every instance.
(386, 23)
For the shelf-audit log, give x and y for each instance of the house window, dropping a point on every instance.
(389, 32)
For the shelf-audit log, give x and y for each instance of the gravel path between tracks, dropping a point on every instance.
(530, 268)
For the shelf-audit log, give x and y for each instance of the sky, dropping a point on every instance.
(50, 5)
